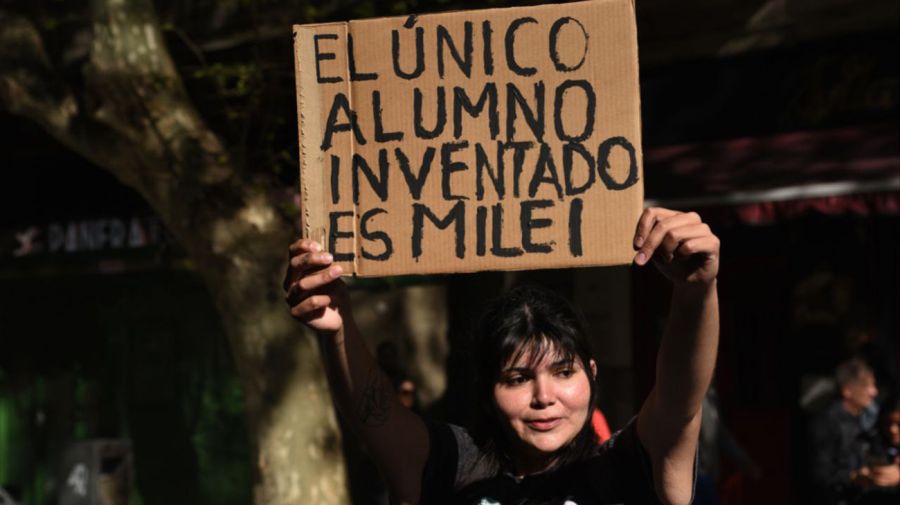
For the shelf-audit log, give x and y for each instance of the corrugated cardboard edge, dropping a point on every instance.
(306, 124)
(309, 129)
(640, 112)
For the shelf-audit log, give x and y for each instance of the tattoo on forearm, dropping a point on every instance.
(376, 399)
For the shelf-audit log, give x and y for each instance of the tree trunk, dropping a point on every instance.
(289, 410)
(133, 118)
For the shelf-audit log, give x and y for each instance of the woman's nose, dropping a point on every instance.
(542, 395)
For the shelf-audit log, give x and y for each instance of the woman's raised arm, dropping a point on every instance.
(687, 253)
(397, 438)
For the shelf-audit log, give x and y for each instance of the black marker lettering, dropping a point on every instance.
(415, 182)
(554, 44)
(464, 61)
(569, 167)
(336, 234)
(380, 135)
(487, 97)
(335, 179)
(420, 54)
(351, 60)
(320, 56)
(519, 149)
(379, 183)
(497, 248)
(486, 37)
(529, 224)
(440, 120)
(339, 104)
(545, 165)
(510, 47)
(375, 236)
(515, 100)
(448, 166)
(482, 165)
(575, 211)
(456, 216)
(603, 163)
(589, 111)
(480, 228)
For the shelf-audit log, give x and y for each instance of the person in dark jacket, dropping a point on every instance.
(840, 472)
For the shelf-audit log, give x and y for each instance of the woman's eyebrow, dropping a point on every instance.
(563, 363)
(516, 369)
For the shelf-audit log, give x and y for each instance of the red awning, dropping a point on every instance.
(855, 170)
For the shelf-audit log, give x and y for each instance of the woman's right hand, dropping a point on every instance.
(313, 287)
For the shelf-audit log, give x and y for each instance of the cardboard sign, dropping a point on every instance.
(500, 139)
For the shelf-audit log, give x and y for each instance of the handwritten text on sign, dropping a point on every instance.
(489, 136)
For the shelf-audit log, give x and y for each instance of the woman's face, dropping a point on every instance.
(545, 405)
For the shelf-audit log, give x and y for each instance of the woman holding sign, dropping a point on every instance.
(533, 441)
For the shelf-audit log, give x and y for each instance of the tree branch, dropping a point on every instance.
(28, 85)
(134, 118)
(135, 89)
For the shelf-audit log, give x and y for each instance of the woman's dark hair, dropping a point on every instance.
(533, 321)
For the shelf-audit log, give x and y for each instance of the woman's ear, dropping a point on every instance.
(593, 369)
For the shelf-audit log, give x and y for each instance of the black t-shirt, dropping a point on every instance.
(619, 471)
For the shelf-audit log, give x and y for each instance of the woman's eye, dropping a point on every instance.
(566, 373)
(516, 380)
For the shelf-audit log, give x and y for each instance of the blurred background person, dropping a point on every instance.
(838, 442)
(883, 458)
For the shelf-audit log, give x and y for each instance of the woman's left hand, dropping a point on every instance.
(680, 243)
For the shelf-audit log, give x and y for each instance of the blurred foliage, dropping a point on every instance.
(151, 365)
(218, 457)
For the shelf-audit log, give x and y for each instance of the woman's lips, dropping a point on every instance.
(543, 424)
